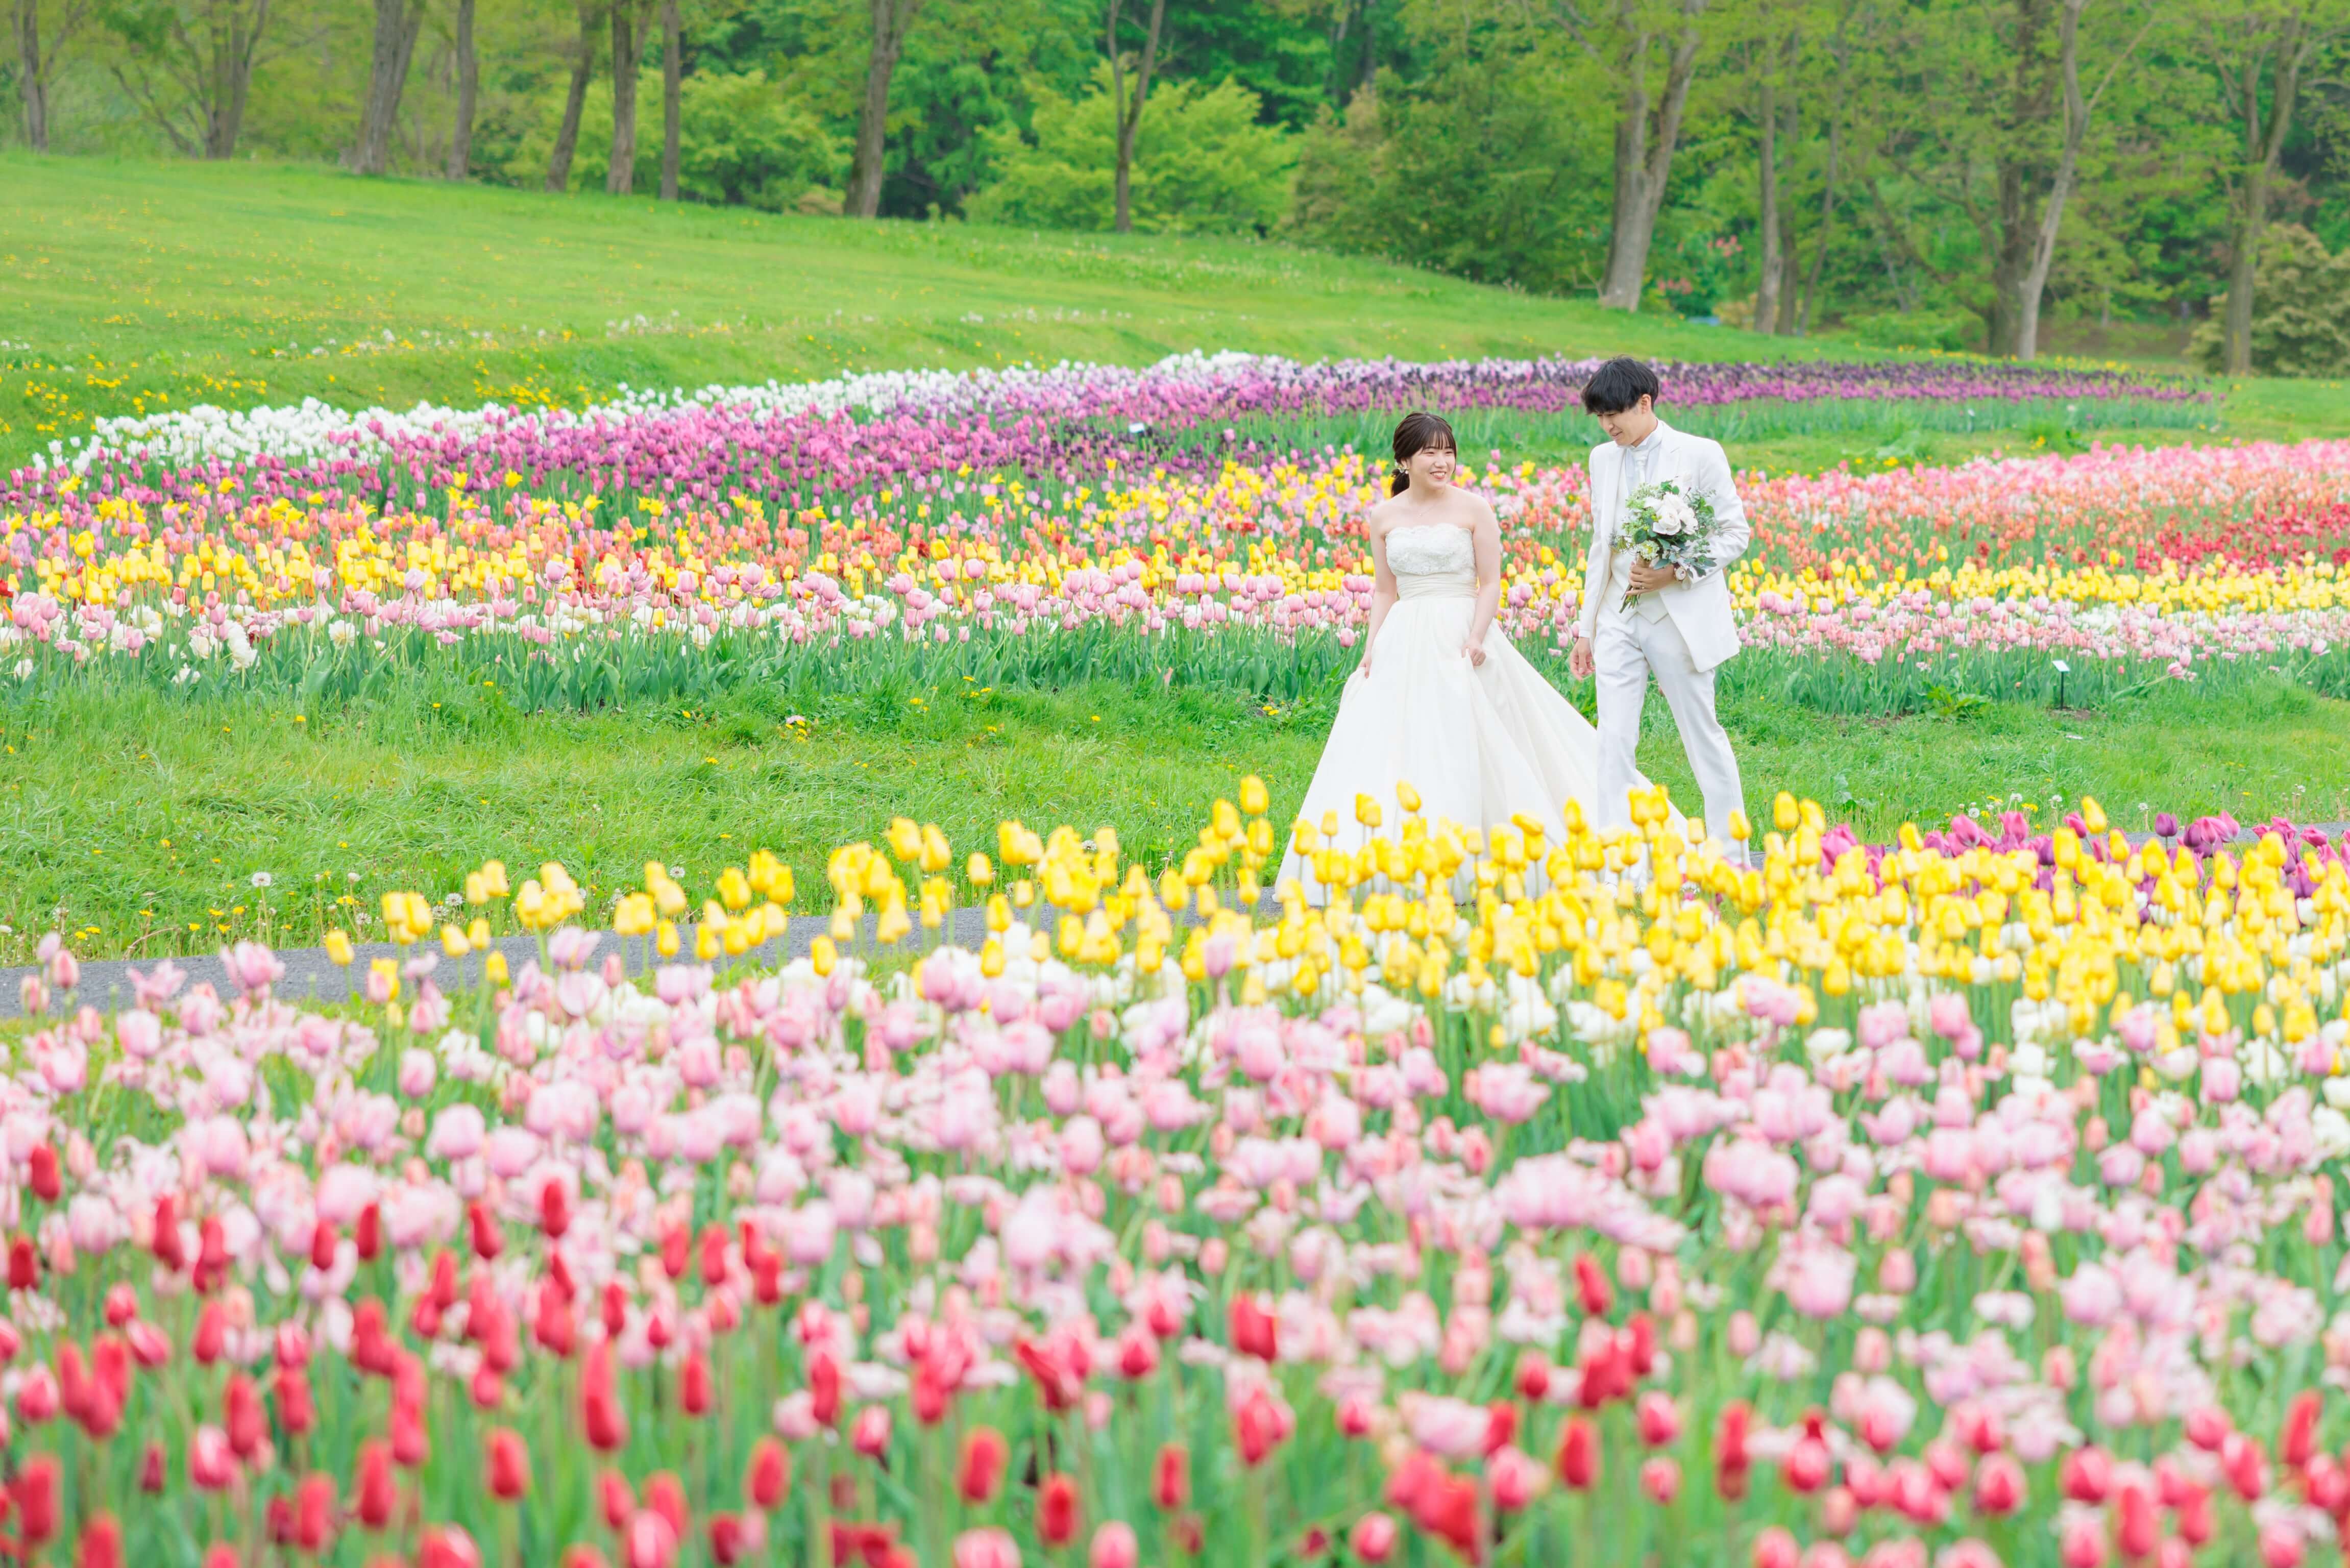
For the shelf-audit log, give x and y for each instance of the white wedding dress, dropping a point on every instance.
(1480, 743)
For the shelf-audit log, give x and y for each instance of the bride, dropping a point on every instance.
(1442, 701)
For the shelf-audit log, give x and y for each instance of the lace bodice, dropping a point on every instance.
(1432, 557)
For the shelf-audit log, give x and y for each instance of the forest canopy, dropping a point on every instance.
(2158, 178)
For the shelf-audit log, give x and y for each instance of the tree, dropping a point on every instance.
(1991, 124)
(1128, 108)
(1627, 44)
(2259, 54)
(574, 99)
(672, 79)
(2301, 327)
(397, 23)
(188, 63)
(890, 20)
(37, 67)
(630, 19)
(469, 78)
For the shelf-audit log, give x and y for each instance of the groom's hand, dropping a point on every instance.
(1579, 659)
(1647, 579)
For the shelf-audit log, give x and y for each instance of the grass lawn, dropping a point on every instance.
(148, 817)
(127, 284)
(132, 286)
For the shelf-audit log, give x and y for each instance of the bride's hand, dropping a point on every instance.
(1363, 671)
(1475, 651)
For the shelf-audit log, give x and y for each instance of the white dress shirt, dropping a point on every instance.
(1639, 468)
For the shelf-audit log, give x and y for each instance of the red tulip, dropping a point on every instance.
(552, 1328)
(374, 1496)
(615, 1309)
(1775, 1548)
(48, 1184)
(1501, 1425)
(170, 1252)
(554, 1210)
(1806, 1467)
(151, 1471)
(368, 1234)
(1660, 1478)
(2246, 1464)
(296, 1412)
(101, 1542)
(1374, 1538)
(220, 1555)
(212, 1334)
(1578, 1454)
(1057, 1510)
(729, 1543)
(2297, 1439)
(665, 1495)
(1591, 1286)
(1114, 1547)
(869, 1433)
(447, 1546)
(1533, 1376)
(1257, 1428)
(585, 1556)
(323, 1245)
(769, 1476)
(2082, 1545)
(314, 1513)
(606, 1426)
(506, 1459)
(713, 1256)
(2000, 1486)
(693, 1383)
(488, 1237)
(615, 1500)
(676, 1246)
(1254, 1331)
(823, 1387)
(2208, 1427)
(2282, 1546)
(984, 1454)
(35, 1495)
(1657, 1417)
(2086, 1475)
(247, 1424)
(24, 1264)
(1170, 1477)
(1730, 1457)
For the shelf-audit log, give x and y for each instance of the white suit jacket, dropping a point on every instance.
(1699, 609)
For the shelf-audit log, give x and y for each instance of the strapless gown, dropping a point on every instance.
(1480, 743)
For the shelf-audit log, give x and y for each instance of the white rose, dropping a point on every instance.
(1673, 516)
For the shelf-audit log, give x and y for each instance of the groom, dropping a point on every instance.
(1678, 625)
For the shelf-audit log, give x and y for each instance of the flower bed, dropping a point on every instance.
(1966, 1201)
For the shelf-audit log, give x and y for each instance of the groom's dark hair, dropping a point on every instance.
(1619, 384)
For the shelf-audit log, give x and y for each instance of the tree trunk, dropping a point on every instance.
(2014, 234)
(890, 18)
(627, 52)
(468, 77)
(1766, 291)
(672, 89)
(396, 25)
(32, 81)
(235, 41)
(566, 135)
(2060, 188)
(2263, 144)
(1644, 153)
(1803, 314)
(1129, 115)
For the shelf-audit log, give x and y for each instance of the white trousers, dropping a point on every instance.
(1628, 649)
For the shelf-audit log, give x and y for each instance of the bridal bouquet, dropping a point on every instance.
(1670, 526)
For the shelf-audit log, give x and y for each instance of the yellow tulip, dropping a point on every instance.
(338, 947)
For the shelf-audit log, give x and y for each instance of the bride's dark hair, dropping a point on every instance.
(1416, 434)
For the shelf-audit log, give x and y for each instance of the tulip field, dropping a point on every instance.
(1164, 525)
(1964, 1201)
